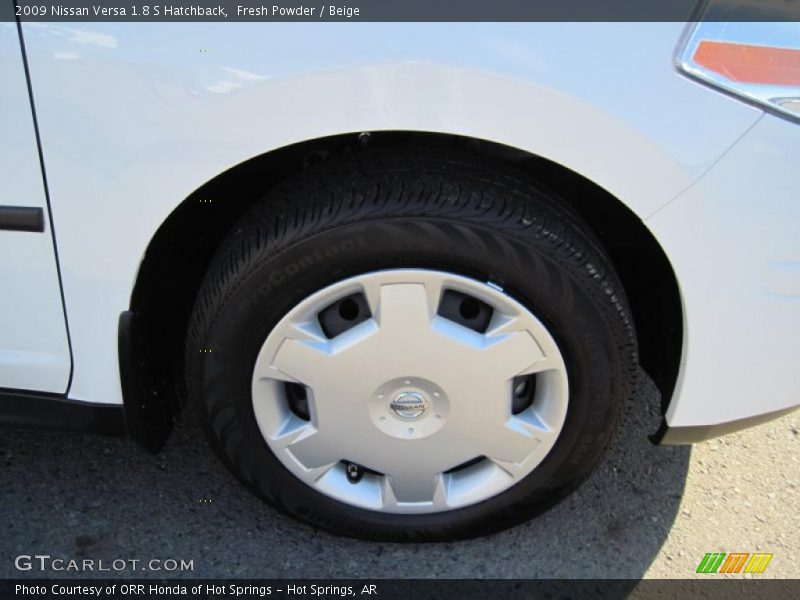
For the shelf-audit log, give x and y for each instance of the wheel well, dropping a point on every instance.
(181, 250)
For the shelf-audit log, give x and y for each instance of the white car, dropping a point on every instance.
(406, 274)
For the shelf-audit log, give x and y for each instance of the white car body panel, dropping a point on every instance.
(734, 240)
(180, 103)
(133, 118)
(34, 349)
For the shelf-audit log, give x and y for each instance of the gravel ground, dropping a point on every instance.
(741, 495)
(646, 512)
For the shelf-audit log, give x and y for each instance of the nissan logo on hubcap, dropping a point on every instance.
(409, 405)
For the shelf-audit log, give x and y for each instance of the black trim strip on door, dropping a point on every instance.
(22, 218)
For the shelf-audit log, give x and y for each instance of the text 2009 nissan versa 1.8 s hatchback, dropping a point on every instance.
(405, 273)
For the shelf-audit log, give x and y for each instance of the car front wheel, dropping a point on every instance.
(410, 345)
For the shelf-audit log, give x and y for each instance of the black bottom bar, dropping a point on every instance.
(29, 410)
(398, 589)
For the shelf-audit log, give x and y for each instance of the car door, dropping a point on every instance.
(34, 343)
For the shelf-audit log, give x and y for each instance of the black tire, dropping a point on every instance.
(421, 209)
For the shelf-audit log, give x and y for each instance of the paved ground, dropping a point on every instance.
(647, 512)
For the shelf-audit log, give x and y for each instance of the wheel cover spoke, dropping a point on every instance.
(314, 449)
(414, 485)
(421, 403)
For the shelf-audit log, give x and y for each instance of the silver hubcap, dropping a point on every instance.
(423, 403)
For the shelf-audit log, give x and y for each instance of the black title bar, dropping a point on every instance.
(399, 10)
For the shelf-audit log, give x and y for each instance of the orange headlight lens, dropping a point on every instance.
(759, 62)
